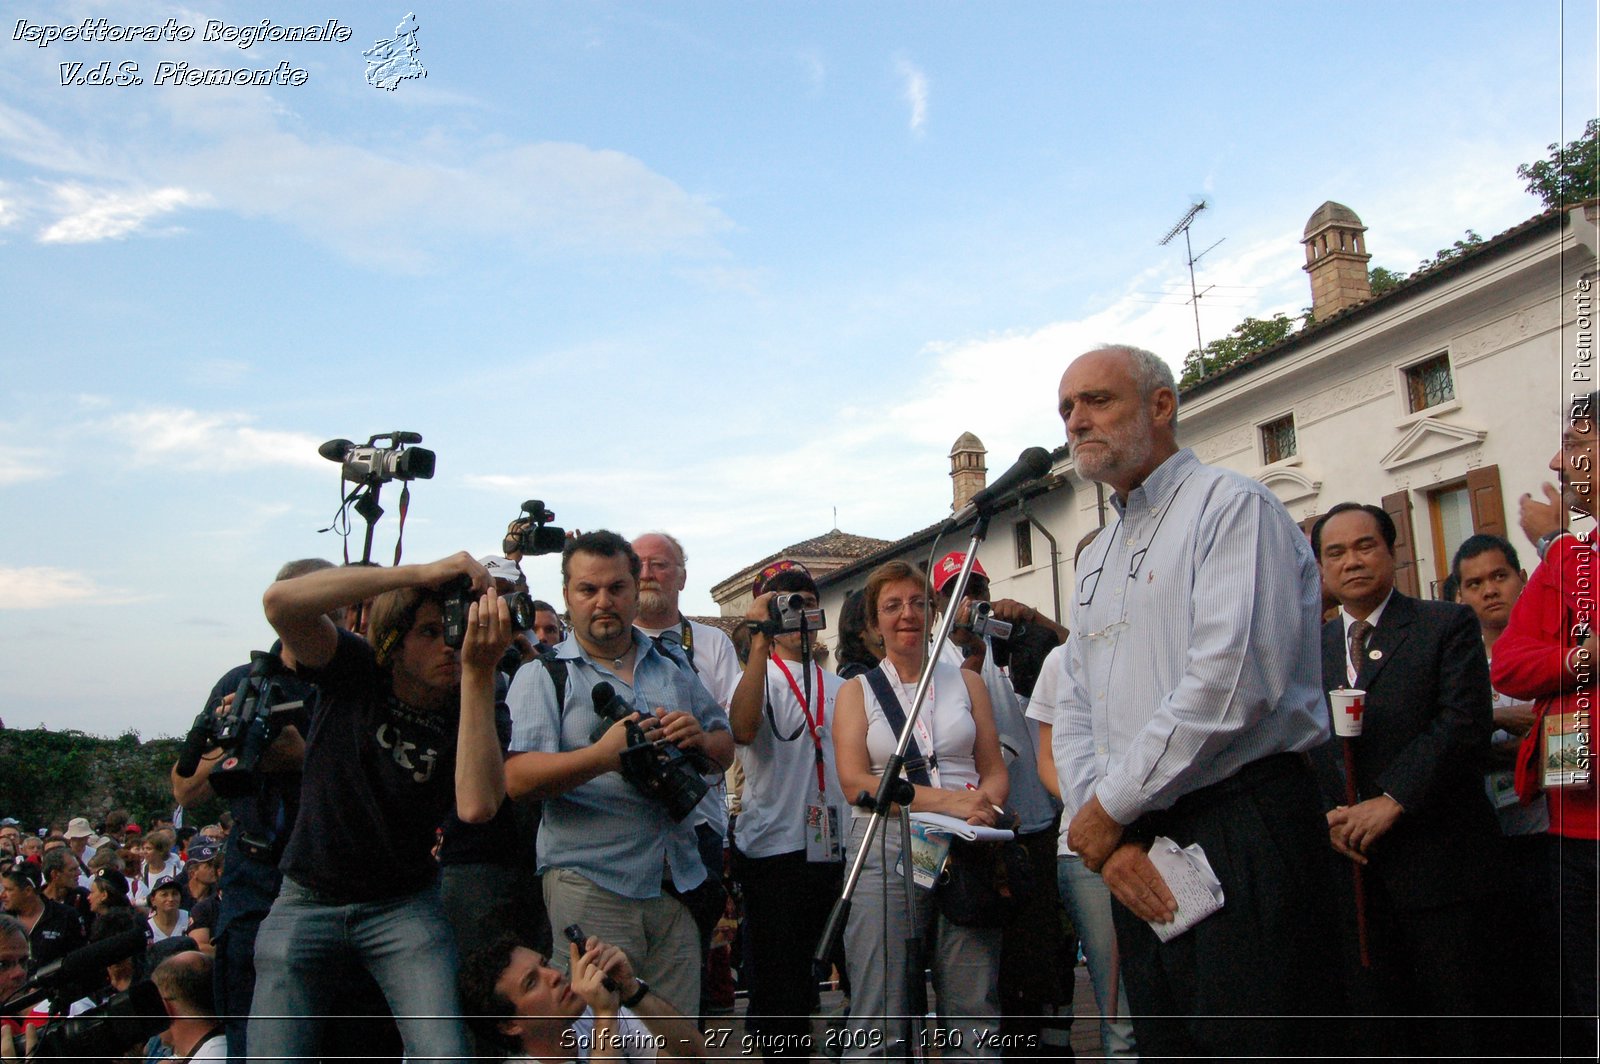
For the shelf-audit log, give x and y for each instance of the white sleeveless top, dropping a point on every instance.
(946, 718)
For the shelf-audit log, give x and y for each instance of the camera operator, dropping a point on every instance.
(612, 857)
(788, 853)
(404, 727)
(184, 981)
(1034, 972)
(264, 811)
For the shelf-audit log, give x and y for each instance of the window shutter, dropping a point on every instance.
(1398, 507)
(1488, 506)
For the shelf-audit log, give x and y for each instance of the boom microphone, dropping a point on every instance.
(1030, 465)
(85, 965)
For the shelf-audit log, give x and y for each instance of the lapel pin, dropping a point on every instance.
(1374, 654)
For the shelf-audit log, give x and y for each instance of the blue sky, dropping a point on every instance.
(712, 267)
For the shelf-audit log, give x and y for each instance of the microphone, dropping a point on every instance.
(335, 450)
(608, 707)
(87, 964)
(1030, 465)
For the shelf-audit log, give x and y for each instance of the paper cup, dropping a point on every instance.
(1349, 707)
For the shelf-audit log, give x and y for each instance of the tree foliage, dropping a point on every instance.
(1381, 279)
(50, 777)
(1570, 174)
(1248, 337)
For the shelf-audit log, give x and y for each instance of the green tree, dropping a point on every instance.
(1468, 241)
(1570, 174)
(1381, 279)
(1248, 337)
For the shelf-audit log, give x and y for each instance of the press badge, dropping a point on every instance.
(822, 834)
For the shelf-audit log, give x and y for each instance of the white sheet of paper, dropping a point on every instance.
(1193, 884)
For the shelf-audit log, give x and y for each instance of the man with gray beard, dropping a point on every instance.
(1193, 684)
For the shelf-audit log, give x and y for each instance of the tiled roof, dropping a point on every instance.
(831, 544)
(1406, 289)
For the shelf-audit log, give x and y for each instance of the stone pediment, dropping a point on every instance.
(1290, 485)
(1428, 439)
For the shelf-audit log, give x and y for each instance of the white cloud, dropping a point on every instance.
(915, 92)
(191, 439)
(38, 588)
(18, 466)
(89, 215)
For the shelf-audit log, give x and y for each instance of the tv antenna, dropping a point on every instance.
(1182, 226)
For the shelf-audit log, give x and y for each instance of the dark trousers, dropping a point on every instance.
(1244, 981)
(1577, 863)
(786, 904)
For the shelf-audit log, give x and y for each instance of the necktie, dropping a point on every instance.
(1359, 632)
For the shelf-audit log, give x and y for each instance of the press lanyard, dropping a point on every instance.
(814, 727)
(924, 732)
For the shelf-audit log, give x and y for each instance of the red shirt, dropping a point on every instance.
(1530, 662)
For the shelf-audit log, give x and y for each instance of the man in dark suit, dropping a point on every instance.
(1422, 827)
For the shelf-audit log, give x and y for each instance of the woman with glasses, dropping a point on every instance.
(956, 769)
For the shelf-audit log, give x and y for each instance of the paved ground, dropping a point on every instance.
(729, 1039)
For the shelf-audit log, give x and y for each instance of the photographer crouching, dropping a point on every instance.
(404, 730)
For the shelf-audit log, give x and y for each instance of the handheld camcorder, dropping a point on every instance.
(385, 457)
(532, 535)
(984, 622)
(787, 612)
(659, 769)
(267, 699)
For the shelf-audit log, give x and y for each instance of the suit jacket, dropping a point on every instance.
(1424, 742)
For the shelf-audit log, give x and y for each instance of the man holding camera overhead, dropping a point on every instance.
(404, 729)
(600, 733)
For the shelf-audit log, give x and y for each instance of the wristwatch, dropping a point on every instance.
(637, 996)
(1545, 540)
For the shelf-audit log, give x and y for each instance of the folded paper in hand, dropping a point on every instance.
(930, 843)
(1193, 884)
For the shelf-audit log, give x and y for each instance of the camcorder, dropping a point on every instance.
(531, 533)
(659, 770)
(983, 621)
(458, 596)
(385, 457)
(269, 698)
(105, 1032)
(787, 612)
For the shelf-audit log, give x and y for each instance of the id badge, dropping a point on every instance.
(822, 834)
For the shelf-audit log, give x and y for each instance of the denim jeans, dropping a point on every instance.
(1089, 903)
(308, 943)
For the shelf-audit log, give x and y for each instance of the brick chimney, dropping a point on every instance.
(968, 474)
(1336, 259)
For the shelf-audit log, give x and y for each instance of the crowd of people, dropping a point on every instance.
(479, 826)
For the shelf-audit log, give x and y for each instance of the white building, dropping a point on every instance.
(1440, 399)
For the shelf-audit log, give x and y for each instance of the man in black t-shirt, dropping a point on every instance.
(404, 729)
(53, 929)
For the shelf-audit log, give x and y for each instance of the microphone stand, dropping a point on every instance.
(893, 789)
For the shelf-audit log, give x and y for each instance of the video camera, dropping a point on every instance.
(531, 535)
(787, 612)
(984, 622)
(659, 769)
(267, 699)
(106, 1031)
(374, 464)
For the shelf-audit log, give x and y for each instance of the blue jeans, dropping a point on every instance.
(306, 945)
(1089, 904)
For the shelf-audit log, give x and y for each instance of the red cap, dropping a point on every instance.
(950, 565)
